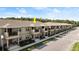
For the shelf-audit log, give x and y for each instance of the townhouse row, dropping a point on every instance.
(21, 33)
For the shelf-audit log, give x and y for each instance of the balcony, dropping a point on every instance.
(13, 33)
(12, 37)
(35, 31)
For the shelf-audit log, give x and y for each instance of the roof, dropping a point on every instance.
(23, 23)
(56, 24)
(18, 23)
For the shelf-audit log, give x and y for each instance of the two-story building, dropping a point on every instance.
(20, 32)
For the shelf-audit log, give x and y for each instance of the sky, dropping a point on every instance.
(71, 13)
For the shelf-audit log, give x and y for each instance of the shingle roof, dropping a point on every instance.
(55, 24)
(18, 23)
(22, 23)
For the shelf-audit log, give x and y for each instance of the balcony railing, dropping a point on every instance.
(13, 33)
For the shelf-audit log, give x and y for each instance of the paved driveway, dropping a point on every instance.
(64, 43)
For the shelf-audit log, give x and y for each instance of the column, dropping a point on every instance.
(2, 43)
(33, 36)
(18, 36)
(18, 41)
(7, 43)
(6, 33)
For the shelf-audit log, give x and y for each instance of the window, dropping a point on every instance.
(60, 26)
(42, 26)
(4, 30)
(45, 29)
(33, 28)
(36, 30)
(57, 27)
(20, 29)
(20, 39)
(11, 32)
(52, 27)
(27, 29)
(49, 28)
(26, 37)
(46, 34)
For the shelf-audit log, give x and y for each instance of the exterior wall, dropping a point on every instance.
(2, 32)
(0, 35)
(24, 34)
(52, 32)
(36, 34)
(46, 31)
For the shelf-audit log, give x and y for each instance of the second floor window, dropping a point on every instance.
(57, 27)
(20, 29)
(45, 29)
(27, 29)
(52, 27)
(36, 30)
(42, 26)
(33, 28)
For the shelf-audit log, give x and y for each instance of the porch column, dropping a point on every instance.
(7, 43)
(18, 36)
(6, 33)
(34, 36)
(55, 30)
(6, 30)
(2, 43)
(18, 41)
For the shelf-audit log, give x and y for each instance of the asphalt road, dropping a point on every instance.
(63, 43)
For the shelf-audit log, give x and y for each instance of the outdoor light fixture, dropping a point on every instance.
(2, 37)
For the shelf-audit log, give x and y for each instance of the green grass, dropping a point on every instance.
(75, 47)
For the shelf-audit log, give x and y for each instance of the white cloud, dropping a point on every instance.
(39, 8)
(11, 14)
(22, 10)
(53, 13)
(56, 10)
(47, 9)
(50, 12)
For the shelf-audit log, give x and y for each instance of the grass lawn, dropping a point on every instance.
(75, 47)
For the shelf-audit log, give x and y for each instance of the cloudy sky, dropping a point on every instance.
(43, 12)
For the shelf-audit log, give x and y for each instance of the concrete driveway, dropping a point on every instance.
(64, 43)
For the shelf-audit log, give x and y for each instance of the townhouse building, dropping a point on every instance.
(19, 32)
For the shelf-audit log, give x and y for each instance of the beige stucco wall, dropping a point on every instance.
(1, 32)
(24, 33)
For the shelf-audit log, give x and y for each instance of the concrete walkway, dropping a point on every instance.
(64, 43)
